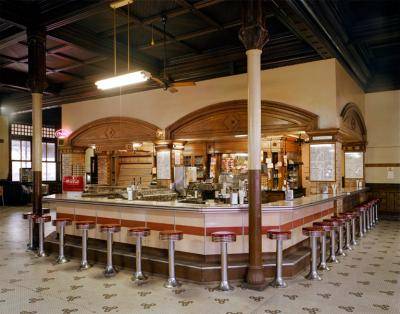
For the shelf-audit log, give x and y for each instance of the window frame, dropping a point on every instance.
(22, 137)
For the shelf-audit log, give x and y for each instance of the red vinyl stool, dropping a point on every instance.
(279, 236)
(327, 227)
(110, 229)
(85, 226)
(341, 221)
(139, 233)
(224, 237)
(60, 223)
(171, 236)
(28, 216)
(41, 220)
(313, 233)
(348, 217)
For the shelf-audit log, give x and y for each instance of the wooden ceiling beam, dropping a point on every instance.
(191, 35)
(12, 39)
(17, 80)
(89, 41)
(197, 12)
(136, 21)
(49, 70)
(168, 14)
(76, 15)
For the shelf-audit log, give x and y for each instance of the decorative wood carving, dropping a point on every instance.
(253, 32)
(230, 118)
(352, 124)
(113, 133)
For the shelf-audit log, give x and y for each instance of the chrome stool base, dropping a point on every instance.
(110, 271)
(313, 276)
(172, 283)
(139, 278)
(84, 266)
(62, 260)
(278, 283)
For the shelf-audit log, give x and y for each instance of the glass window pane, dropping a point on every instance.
(51, 152)
(15, 170)
(44, 171)
(28, 150)
(51, 171)
(15, 150)
(43, 151)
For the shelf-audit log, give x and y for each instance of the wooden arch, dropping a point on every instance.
(113, 133)
(352, 124)
(229, 118)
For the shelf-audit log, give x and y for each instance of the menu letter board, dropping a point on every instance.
(322, 162)
(164, 165)
(354, 165)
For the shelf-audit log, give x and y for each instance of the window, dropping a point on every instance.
(49, 162)
(20, 157)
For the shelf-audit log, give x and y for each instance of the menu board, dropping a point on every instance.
(354, 165)
(164, 165)
(322, 162)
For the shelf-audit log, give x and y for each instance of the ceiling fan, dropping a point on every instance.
(165, 82)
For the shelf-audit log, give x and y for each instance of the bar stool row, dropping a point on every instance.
(367, 214)
(343, 223)
(139, 233)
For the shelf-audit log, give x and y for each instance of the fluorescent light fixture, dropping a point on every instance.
(123, 80)
(241, 135)
(122, 3)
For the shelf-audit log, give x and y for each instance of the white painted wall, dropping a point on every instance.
(382, 112)
(310, 86)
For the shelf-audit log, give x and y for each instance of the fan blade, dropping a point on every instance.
(172, 89)
(182, 84)
(157, 80)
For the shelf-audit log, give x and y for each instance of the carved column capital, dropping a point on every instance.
(36, 38)
(253, 33)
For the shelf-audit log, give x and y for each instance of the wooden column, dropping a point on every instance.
(254, 36)
(37, 83)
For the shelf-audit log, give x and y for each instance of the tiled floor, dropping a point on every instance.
(367, 281)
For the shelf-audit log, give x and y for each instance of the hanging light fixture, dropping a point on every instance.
(130, 77)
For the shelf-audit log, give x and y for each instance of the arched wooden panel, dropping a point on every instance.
(352, 124)
(230, 118)
(113, 133)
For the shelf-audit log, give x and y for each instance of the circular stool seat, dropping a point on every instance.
(223, 236)
(110, 228)
(38, 219)
(362, 208)
(279, 234)
(313, 231)
(347, 216)
(327, 226)
(85, 224)
(139, 232)
(340, 220)
(62, 222)
(174, 235)
(336, 223)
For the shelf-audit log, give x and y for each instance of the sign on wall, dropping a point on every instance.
(72, 183)
(354, 165)
(322, 162)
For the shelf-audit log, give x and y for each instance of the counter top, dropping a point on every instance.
(175, 205)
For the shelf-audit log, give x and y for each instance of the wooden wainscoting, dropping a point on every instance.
(390, 196)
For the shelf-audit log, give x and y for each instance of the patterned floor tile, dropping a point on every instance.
(366, 281)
